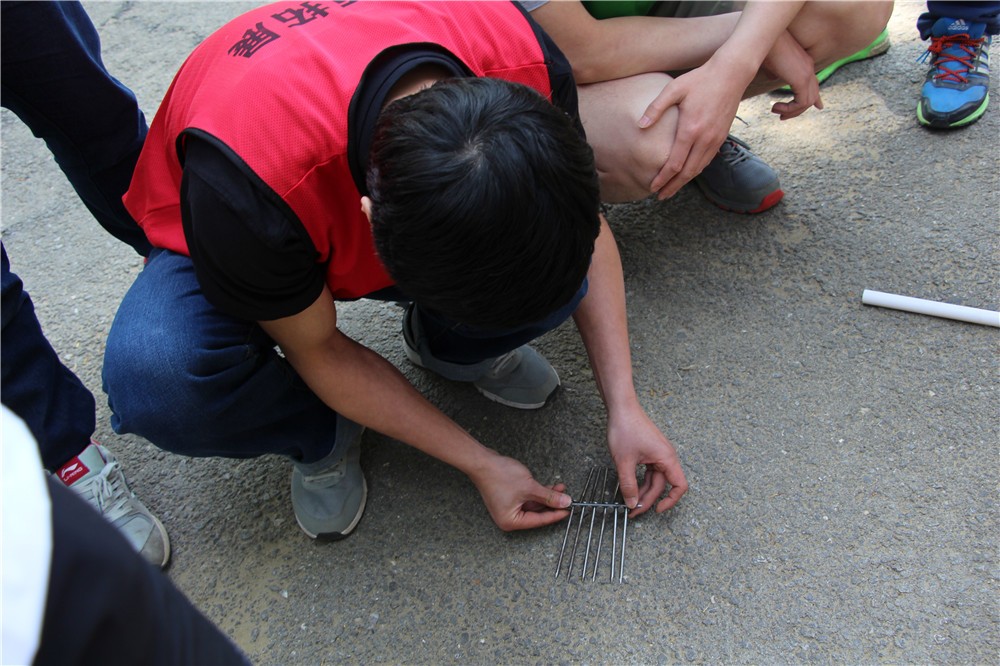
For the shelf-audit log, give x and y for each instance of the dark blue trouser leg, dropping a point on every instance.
(458, 343)
(53, 78)
(970, 11)
(35, 384)
(106, 605)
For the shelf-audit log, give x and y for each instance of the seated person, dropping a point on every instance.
(659, 92)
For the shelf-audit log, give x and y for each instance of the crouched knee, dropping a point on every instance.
(166, 388)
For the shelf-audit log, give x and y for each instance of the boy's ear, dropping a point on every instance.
(366, 208)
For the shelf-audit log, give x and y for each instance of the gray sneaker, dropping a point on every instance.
(521, 378)
(739, 181)
(96, 476)
(329, 496)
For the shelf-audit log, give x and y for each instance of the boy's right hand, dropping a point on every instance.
(707, 100)
(515, 500)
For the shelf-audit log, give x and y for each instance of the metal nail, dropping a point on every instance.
(579, 525)
(604, 520)
(597, 495)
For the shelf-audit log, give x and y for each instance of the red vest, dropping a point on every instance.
(274, 85)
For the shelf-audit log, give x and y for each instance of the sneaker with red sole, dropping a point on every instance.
(737, 180)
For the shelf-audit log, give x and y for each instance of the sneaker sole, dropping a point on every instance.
(767, 203)
(166, 542)
(337, 536)
(518, 405)
(968, 120)
(876, 48)
(412, 355)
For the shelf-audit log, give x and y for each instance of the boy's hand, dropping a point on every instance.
(515, 500)
(789, 62)
(707, 99)
(635, 440)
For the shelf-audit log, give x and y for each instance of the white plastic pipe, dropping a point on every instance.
(932, 308)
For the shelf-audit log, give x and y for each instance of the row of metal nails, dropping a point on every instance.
(600, 496)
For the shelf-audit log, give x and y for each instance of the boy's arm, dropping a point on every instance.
(633, 438)
(709, 96)
(613, 48)
(362, 386)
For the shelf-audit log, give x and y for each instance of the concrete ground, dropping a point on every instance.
(843, 460)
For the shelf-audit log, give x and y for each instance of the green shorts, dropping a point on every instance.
(603, 9)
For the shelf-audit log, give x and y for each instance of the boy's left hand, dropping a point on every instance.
(635, 440)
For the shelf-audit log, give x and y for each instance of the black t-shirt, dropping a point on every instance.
(252, 255)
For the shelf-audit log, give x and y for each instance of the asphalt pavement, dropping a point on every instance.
(843, 459)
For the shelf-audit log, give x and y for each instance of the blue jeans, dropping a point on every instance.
(52, 77)
(195, 381)
(969, 10)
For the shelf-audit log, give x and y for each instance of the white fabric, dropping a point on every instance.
(25, 541)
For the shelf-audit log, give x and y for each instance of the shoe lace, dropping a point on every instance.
(499, 367)
(733, 152)
(329, 474)
(959, 50)
(108, 491)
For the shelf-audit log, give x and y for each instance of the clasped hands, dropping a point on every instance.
(707, 99)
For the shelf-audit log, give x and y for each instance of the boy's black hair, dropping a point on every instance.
(485, 201)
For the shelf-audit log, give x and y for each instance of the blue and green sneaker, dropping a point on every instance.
(956, 90)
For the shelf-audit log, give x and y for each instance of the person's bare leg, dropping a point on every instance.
(829, 31)
(627, 158)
